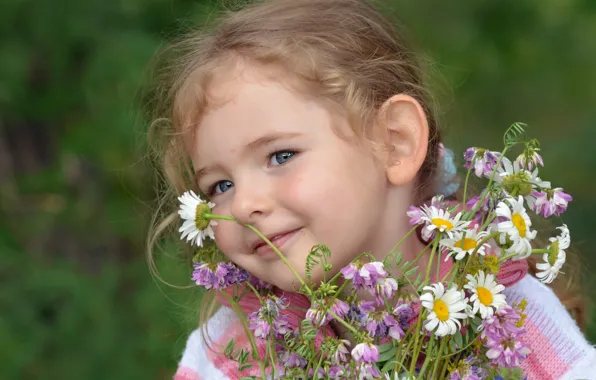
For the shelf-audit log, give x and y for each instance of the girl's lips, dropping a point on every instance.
(279, 241)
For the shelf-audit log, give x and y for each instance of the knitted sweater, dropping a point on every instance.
(558, 348)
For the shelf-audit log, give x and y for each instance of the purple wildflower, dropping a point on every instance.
(530, 161)
(380, 324)
(364, 276)
(385, 289)
(260, 326)
(359, 310)
(290, 359)
(484, 161)
(415, 215)
(503, 322)
(320, 313)
(218, 276)
(341, 354)
(551, 202)
(508, 352)
(320, 372)
(365, 353)
(482, 209)
(258, 283)
(503, 338)
(469, 155)
(336, 372)
(466, 370)
(269, 316)
(367, 371)
(403, 313)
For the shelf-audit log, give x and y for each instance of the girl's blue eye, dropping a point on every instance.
(281, 157)
(221, 187)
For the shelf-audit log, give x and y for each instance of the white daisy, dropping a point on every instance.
(555, 258)
(438, 219)
(196, 227)
(486, 296)
(518, 181)
(445, 309)
(464, 243)
(515, 229)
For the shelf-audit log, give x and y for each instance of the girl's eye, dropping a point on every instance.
(220, 187)
(280, 158)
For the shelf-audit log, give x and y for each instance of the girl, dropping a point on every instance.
(308, 120)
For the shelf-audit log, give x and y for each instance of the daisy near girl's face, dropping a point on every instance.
(272, 158)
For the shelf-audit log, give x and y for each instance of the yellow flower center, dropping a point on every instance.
(200, 221)
(439, 222)
(553, 253)
(466, 244)
(441, 310)
(520, 224)
(484, 296)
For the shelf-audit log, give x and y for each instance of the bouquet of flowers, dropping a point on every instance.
(452, 324)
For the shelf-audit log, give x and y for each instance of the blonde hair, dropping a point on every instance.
(345, 51)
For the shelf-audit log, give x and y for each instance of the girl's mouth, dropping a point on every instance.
(278, 240)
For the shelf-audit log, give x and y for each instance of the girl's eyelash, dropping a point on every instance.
(211, 189)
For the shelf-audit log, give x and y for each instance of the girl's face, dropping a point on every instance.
(273, 159)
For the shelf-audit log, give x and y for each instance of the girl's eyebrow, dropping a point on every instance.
(253, 145)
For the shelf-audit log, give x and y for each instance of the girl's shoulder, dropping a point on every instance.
(197, 359)
(559, 348)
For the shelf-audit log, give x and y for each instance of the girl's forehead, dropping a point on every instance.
(250, 107)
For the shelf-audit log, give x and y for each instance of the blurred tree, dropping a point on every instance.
(77, 297)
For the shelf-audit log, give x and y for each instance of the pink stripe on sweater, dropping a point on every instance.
(543, 363)
(229, 367)
(184, 373)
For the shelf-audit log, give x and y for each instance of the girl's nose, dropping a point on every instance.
(251, 203)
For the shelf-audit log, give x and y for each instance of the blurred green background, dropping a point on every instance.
(77, 298)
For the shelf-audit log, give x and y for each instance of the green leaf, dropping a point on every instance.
(229, 350)
(514, 134)
(458, 340)
(385, 347)
(387, 354)
(387, 366)
(410, 272)
(399, 258)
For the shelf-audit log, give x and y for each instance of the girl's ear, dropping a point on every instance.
(404, 129)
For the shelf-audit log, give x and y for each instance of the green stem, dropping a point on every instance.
(492, 177)
(271, 349)
(430, 347)
(438, 358)
(432, 256)
(410, 264)
(402, 240)
(346, 324)
(466, 185)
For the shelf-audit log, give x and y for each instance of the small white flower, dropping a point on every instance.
(486, 294)
(438, 219)
(516, 180)
(196, 227)
(515, 229)
(461, 245)
(445, 309)
(554, 260)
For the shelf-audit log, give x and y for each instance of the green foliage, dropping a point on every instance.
(317, 255)
(76, 192)
(515, 134)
